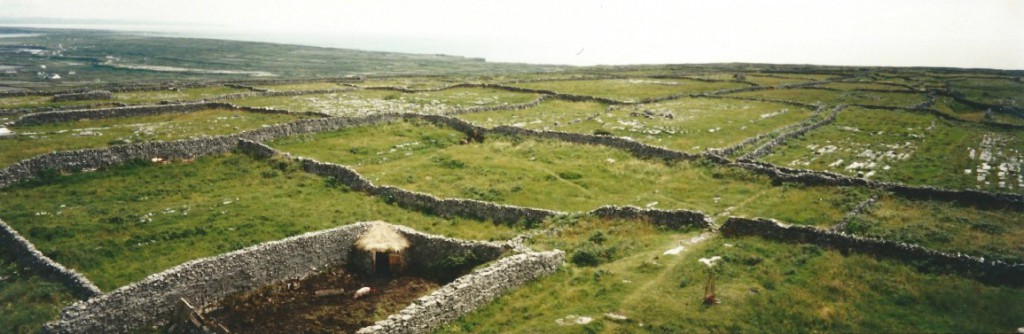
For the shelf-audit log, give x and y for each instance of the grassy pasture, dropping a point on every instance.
(826, 97)
(993, 234)
(27, 301)
(689, 124)
(560, 176)
(39, 139)
(629, 89)
(119, 225)
(918, 148)
(762, 286)
(371, 101)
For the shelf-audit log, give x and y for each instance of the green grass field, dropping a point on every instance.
(993, 234)
(762, 286)
(630, 89)
(119, 225)
(690, 124)
(371, 101)
(39, 139)
(831, 98)
(917, 148)
(560, 176)
(27, 301)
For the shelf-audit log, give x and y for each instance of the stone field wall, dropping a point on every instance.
(482, 210)
(996, 272)
(468, 293)
(27, 255)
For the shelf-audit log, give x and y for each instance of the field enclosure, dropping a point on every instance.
(633, 172)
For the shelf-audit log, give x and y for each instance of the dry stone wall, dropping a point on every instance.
(74, 115)
(68, 161)
(638, 149)
(812, 177)
(996, 272)
(152, 301)
(468, 293)
(670, 219)
(499, 213)
(27, 255)
(782, 138)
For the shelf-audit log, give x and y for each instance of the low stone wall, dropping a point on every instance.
(636, 148)
(74, 115)
(90, 95)
(181, 149)
(812, 177)
(445, 207)
(670, 219)
(27, 255)
(758, 99)
(469, 293)
(151, 302)
(782, 138)
(995, 272)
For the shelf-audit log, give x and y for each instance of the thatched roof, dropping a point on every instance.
(381, 237)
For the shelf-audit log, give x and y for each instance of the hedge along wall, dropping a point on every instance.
(995, 272)
(152, 301)
(27, 255)
(468, 293)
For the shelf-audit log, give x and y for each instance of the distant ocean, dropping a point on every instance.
(492, 50)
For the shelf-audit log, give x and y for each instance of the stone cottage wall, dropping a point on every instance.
(152, 301)
(468, 293)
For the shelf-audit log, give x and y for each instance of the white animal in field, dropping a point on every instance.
(362, 292)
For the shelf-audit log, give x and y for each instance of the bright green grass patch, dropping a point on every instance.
(630, 89)
(560, 176)
(119, 225)
(913, 148)
(762, 286)
(302, 86)
(39, 139)
(826, 97)
(187, 94)
(27, 301)
(1003, 92)
(994, 234)
(688, 124)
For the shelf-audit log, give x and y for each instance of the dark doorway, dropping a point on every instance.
(382, 267)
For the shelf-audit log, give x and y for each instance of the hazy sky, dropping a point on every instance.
(959, 33)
